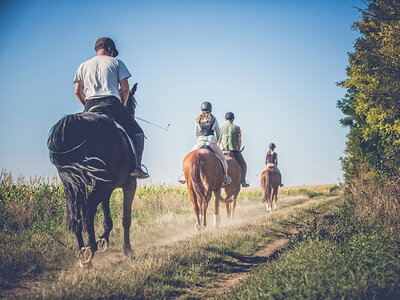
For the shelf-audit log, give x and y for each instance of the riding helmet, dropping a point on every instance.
(229, 116)
(106, 43)
(206, 106)
(272, 146)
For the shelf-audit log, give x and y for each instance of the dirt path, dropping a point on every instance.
(247, 263)
(114, 256)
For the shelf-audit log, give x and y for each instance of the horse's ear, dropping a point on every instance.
(133, 89)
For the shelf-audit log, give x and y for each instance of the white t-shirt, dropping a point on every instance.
(100, 76)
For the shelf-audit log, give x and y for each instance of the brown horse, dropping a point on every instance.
(204, 176)
(232, 190)
(270, 181)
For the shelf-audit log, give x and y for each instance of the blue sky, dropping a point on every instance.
(273, 63)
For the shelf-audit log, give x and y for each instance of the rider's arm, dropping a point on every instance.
(216, 130)
(124, 90)
(276, 159)
(240, 139)
(79, 93)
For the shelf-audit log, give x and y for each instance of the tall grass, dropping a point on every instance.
(337, 256)
(376, 201)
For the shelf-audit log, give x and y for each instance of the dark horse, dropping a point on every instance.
(232, 190)
(93, 157)
(204, 176)
(270, 182)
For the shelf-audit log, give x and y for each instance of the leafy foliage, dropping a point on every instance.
(371, 105)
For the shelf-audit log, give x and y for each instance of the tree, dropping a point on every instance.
(372, 102)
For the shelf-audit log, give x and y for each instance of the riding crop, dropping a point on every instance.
(166, 128)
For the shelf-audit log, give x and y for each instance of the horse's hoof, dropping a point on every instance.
(199, 227)
(129, 253)
(102, 245)
(85, 255)
(86, 266)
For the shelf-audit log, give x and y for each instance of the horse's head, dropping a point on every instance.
(131, 103)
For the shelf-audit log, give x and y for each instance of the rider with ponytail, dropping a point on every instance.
(208, 134)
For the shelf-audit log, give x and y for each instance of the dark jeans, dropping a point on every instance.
(111, 106)
(239, 157)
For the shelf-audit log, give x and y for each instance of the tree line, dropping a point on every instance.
(372, 102)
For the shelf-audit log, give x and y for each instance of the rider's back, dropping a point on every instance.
(229, 137)
(100, 76)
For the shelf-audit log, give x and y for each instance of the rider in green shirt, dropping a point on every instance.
(231, 140)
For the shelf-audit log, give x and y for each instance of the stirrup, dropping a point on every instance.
(227, 180)
(182, 179)
(140, 173)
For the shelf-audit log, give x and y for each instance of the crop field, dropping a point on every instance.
(39, 256)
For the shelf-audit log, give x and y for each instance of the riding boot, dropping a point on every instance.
(244, 171)
(138, 140)
(227, 179)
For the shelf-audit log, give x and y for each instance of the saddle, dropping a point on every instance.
(206, 147)
(105, 112)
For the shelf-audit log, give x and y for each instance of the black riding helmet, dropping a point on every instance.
(272, 146)
(229, 116)
(107, 44)
(206, 106)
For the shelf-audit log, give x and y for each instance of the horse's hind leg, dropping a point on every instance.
(217, 217)
(103, 241)
(129, 192)
(196, 207)
(78, 231)
(96, 196)
(275, 200)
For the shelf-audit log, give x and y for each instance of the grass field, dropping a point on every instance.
(38, 255)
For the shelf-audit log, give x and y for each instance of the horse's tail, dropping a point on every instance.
(68, 147)
(196, 182)
(267, 186)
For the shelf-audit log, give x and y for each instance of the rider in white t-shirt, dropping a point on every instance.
(97, 83)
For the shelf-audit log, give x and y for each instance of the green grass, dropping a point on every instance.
(335, 257)
(33, 236)
(186, 268)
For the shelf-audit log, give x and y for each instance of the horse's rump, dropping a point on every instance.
(204, 170)
(81, 147)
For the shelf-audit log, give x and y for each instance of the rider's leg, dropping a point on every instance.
(221, 155)
(243, 166)
(138, 140)
(198, 145)
(134, 131)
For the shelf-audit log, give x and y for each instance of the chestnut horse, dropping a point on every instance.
(270, 181)
(232, 190)
(204, 176)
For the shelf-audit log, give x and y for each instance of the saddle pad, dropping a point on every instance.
(129, 139)
(207, 148)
